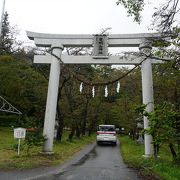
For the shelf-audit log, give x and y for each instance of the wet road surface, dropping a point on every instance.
(104, 162)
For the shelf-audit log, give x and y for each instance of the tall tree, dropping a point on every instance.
(166, 75)
(22, 86)
(164, 15)
(7, 36)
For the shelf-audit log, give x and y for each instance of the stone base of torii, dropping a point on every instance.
(58, 41)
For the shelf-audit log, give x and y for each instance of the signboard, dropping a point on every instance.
(100, 46)
(19, 133)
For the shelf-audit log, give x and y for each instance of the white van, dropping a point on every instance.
(106, 134)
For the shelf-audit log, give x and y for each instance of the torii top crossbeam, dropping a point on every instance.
(86, 40)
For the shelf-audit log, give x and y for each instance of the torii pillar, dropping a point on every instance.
(147, 94)
(52, 96)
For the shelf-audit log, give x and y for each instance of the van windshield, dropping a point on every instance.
(106, 128)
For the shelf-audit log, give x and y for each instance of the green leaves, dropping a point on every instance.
(7, 36)
(133, 7)
(164, 123)
(22, 86)
(33, 138)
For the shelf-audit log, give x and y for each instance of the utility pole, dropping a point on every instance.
(2, 14)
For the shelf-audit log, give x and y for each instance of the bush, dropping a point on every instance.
(33, 138)
(6, 58)
(9, 120)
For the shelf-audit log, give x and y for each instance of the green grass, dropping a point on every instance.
(162, 168)
(62, 151)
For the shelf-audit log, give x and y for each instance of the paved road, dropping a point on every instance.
(92, 163)
(102, 163)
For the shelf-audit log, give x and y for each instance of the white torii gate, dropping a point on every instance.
(58, 41)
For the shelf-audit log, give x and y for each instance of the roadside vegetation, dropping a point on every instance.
(63, 151)
(161, 168)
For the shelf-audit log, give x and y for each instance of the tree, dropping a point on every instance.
(164, 127)
(9, 45)
(68, 93)
(164, 21)
(23, 86)
(164, 15)
(7, 37)
(133, 8)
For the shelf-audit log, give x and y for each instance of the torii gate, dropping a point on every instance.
(58, 41)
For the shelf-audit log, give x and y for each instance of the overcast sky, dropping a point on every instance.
(73, 16)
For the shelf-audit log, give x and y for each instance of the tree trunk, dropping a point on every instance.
(93, 123)
(176, 100)
(173, 152)
(84, 116)
(78, 132)
(68, 93)
(156, 150)
(60, 128)
(72, 133)
(59, 113)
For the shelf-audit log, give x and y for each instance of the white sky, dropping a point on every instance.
(73, 16)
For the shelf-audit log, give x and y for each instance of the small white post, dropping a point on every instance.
(51, 103)
(147, 94)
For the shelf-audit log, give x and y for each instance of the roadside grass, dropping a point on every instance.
(162, 168)
(62, 151)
